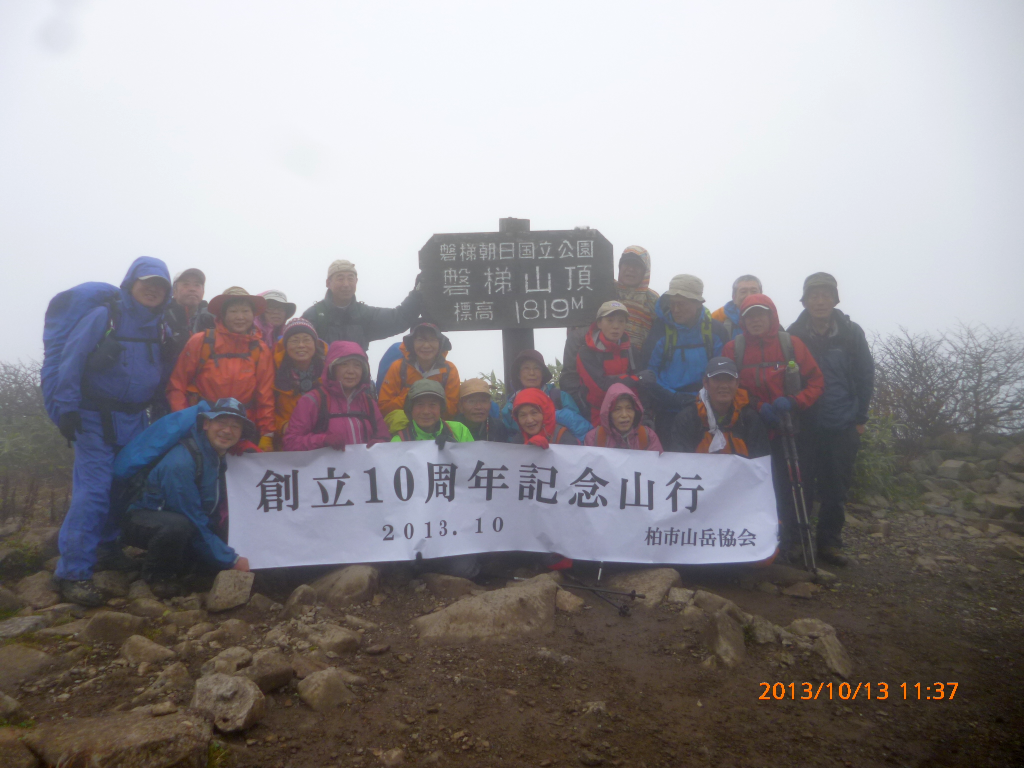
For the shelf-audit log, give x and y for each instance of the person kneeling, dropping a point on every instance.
(621, 413)
(181, 516)
(534, 412)
(721, 420)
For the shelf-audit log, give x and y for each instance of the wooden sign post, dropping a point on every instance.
(516, 280)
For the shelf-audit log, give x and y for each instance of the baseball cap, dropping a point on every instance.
(190, 272)
(424, 388)
(610, 307)
(721, 366)
(474, 387)
(765, 307)
(341, 265)
(229, 406)
(820, 279)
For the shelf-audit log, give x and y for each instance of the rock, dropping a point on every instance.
(567, 602)
(112, 583)
(131, 739)
(263, 604)
(304, 666)
(711, 604)
(926, 563)
(174, 679)
(13, 752)
(302, 597)
(138, 649)
(1014, 457)
(393, 757)
(810, 628)
(952, 469)
(803, 589)
(679, 596)
(347, 586)
(70, 629)
(234, 703)
(228, 661)
(356, 622)
(230, 590)
(10, 601)
(726, 639)
(10, 708)
(762, 631)
(37, 590)
(590, 758)
(999, 506)
(325, 690)
(525, 608)
(785, 575)
(835, 656)
(447, 587)
(693, 618)
(147, 608)
(1010, 487)
(42, 541)
(270, 670)
(186, 619)
(21, 625)
(112, 627)
(199, 630)
(139, 590)
(653, 583)
(233, 630)
(351, 678)
(768, 588)
(19, 662)
(377, 649)
(331, 637)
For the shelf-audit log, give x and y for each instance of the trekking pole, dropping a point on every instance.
(796, 484)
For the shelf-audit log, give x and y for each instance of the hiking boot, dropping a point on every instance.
(113, 558)
(833, 556)
(82, 592)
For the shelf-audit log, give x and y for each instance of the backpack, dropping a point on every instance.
(707, 338)
(137, 459)
(793, 382)
(207, 351)
(323, 417)
(64, 312)
(642, 435)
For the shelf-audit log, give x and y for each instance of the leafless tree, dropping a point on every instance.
(969, 379)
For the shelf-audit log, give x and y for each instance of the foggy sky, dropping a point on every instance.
(878, 141)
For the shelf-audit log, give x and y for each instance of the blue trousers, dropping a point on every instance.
(87, 524)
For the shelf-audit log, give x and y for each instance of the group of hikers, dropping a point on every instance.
(242, 373)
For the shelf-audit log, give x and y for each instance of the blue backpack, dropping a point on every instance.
(135, 461)
(62, 315)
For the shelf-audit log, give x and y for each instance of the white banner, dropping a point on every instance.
(395, 500)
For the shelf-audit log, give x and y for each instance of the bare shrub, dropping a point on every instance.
(969, 379)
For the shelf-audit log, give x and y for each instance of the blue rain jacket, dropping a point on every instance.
(681, 368)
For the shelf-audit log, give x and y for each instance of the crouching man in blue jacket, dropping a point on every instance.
(181, 517)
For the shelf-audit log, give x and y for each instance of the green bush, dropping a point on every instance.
(875, 470)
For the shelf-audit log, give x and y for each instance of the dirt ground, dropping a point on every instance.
(637, 691)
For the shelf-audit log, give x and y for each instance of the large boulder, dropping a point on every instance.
(234, 703)
(301, 598)
(10, 601)
(325, 690)
(953, 469)
(112, 627)
(330, 637)
(21, 625)
(132, 740)
(37, 591)
(1014, 457)
(19, 663)
(525, 608)
(652, 583)
(174, 680)
(13, 752)
(726, 639)
(347, 586)
(230, 590)
(186, 619)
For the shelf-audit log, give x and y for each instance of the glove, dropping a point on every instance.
(337, 442)
(441, 440)
(539, 440)
(783, 404)
(768, 414)
(70, 424)
(647, 377)
(267, 443)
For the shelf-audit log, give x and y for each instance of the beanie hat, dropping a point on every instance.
(299, 325)
(820, 279)
(341, 265)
